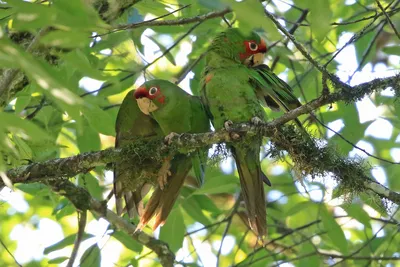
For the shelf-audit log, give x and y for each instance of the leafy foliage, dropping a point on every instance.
(66, 66)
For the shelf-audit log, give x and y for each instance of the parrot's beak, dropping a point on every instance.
(255, 60)
(258, 59)
(145, 104)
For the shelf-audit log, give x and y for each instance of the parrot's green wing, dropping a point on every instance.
(272, 90)
(270, 85)
(130, 183)
(200, 123)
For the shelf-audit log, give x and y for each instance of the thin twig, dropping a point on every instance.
(82, 218)
(230, 218)
(291, 31)
(180, 21)
(303, 51)
(388, 19)
(9, 253)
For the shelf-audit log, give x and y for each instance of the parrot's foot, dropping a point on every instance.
(235, 136)
(256, 121)
(228, 124)
(228, 127)
(164, 173)
(168, 139)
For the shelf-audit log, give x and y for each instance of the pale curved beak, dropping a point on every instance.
(255, 60)
(258, 59)
(146, 105)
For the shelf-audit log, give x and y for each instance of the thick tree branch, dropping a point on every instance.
(325, 159)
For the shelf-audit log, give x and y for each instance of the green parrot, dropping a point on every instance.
(155, 109)
(235, 83)
(131, 184)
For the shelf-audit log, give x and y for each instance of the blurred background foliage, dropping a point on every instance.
(67, 65)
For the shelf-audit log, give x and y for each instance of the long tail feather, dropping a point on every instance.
(248, 165)
(162, 201)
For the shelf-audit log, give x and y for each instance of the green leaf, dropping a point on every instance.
(207, 204)
(128, 241)
(193, 208)
(300, 207)
(87, 64)
(65, 210)
(197, 165)
(30, 16)
(320, 18)
(357, 212)
(88, 140)
(173, 231)
(310, 261)
(215, 4)
(92, 184)
(67, 241)
(22, 102)
(33, 189)
(168, 55)
(45, 76)
(78, 15)
(66, 39)
(99, 119)
(250, 14)
(25, 152)
(24, 128)
(335, 232)
(91, 257)
(361, 46)
(58, 260)
(219, 184)
(392, 50)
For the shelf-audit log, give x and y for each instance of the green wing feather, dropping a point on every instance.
(272, 90)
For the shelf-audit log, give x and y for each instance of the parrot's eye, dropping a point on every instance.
(253, 46)
(153, 90)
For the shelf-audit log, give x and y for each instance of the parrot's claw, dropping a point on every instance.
(235, 136)
(256, 121)
(168, 139)
(163, 174)
(228, 124)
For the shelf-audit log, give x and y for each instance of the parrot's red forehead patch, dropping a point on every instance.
(252, 47)
(152, 93)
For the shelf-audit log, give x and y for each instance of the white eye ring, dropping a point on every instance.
(153, 90)
(253, 46)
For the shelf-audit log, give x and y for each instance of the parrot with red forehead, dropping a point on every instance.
(160, 108)
(235, 84)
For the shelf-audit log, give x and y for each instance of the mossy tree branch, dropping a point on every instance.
(83, 201)
(324, 159)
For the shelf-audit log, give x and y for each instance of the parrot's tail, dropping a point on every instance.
(129, 201)
(161, 202)
(248, 165)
